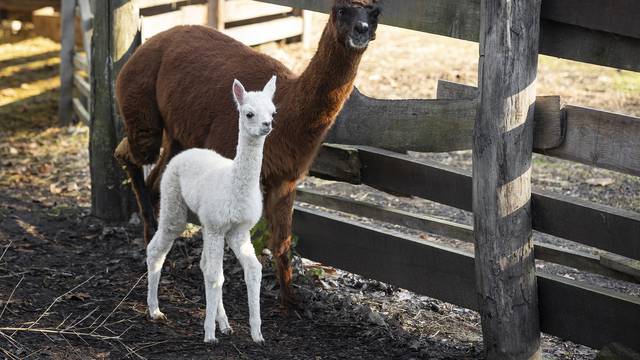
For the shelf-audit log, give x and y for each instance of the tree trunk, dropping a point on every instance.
(115, 36)
(502, 146)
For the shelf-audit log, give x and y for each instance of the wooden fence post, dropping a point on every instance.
(502, 147)
(67, 37)
(216, 14)
(115, 36)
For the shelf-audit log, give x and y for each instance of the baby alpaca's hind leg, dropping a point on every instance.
(211, 265)
(222, 320)
(240, 243)
(173, 218)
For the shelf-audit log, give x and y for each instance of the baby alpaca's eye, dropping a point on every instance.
(250, 115)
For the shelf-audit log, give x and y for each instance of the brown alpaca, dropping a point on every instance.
(173, 93)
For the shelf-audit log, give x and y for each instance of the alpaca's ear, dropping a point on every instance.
(270, 88)
(238, 92)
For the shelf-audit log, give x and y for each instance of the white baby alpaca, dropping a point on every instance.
(226, 196)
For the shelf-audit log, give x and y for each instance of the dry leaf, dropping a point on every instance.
(600, 181)
(54, 189)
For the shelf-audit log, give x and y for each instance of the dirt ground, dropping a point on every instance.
(73, 287)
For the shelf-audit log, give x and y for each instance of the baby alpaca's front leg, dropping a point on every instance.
(240, 243)
(211, 265)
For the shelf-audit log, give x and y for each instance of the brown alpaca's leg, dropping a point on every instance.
(279, 211)
(136, 175)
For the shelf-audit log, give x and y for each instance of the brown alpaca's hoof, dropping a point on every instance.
(289, 301)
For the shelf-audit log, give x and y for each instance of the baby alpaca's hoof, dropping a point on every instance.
(227, 331)
(210, 339)
(157, 315)
(257, 338)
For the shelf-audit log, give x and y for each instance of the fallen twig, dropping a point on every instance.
(10, 296)
(55, 301)
(5, 250)
(120, 303)
(58, 332)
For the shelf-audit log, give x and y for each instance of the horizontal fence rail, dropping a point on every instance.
(588, 136)
(567, 309)
(592, 31)
(612, 267)
(600, 226)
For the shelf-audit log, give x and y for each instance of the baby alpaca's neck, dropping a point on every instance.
(247, 165)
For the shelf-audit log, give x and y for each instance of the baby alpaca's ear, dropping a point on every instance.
(238, 92)
(270, 88)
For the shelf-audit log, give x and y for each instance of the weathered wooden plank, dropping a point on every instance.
(65, 104)
(600, 138)
(568, 36)
(86, 15)
(419, 266)
(596, 225)
(622, 264)
(589, 46)
(186, 15)
(555, 254)
(579, 260)
(567, 309)
(618, 17)
(588, 136)
(400, 174)
(80, 63)
(82, 85)
(386, 214)
(600, 226)
(216, 14)
(548, 118)
(239, 10)
(401, 125)
(267, 31)
(81, 112)
(586, 314)
(142, 4)
(337, 162)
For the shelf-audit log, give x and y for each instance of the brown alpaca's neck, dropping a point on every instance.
(326, 83)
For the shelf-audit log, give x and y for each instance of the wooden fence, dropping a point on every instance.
(374, 134)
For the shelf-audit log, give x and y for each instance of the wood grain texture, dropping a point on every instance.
(613, 267)
(604, 227)
(401, 125)
(567, 308)
(548, 118)
(65, 104)
(114, 25)
(600, 138)
(578, 35)
(618, 17)
(337, 162)
(502, 150)
(586, 314)
(588, 136)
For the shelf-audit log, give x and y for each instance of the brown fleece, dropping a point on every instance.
(179, 84)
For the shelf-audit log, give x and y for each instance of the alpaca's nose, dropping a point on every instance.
(362, 27)
(266, 123)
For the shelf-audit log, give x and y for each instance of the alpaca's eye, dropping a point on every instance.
(340, 12)
(250, 115)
